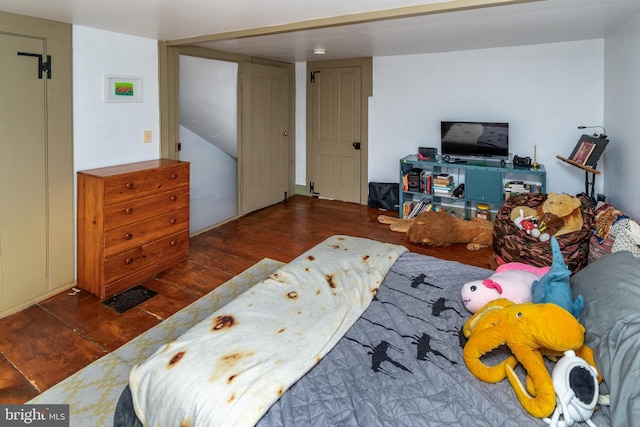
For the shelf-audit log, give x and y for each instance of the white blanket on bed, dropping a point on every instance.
(230, 368)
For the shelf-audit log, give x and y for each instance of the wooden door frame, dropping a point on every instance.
(168, 81)
(366, 66)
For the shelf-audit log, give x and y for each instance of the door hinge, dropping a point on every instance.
(313, 77)
(178, 146)
(43, 67)
(312, 190)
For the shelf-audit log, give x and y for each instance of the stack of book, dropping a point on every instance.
(426, 183)
(515, 187)
(443, 179)
(443, 185)
(411, 209)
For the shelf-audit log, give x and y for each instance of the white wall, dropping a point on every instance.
(106, 134)
(214, 182)
(543, 91)
(622, 111)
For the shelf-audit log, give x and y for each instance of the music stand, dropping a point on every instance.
(585, 156)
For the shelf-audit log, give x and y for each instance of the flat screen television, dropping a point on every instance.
(474, 140)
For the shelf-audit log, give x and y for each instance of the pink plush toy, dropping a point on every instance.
(512, 281)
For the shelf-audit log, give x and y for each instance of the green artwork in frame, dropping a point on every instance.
(122, 89)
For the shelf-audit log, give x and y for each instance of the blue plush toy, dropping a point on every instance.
(554, 286)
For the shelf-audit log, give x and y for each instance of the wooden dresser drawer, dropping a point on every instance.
(131, 211)
(138, 233)
(133, 222)
(140, 184)
(143, 256)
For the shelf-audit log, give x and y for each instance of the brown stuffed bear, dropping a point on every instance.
(563, 206)
(442, 229)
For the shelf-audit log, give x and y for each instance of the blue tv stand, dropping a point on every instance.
(484, 183)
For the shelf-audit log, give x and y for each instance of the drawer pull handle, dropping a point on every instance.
(173, 220)
(173, 242)
(128, 211)
(128, 236)
(129, 185)
(174, 176)
(174, 198)
(128, 261)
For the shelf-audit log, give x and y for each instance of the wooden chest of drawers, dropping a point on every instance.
(133, 222)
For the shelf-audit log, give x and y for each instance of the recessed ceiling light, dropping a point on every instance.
(319, 51)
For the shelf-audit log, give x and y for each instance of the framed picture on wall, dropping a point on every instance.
(122, 89)
(588, 150)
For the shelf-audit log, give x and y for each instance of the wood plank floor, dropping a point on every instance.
(47, 342)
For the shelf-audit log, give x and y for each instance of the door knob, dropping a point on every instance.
(356, 145)
(285, 133)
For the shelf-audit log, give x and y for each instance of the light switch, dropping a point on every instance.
(147, 136)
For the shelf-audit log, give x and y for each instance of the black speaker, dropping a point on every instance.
(521, 161)
(429, 152)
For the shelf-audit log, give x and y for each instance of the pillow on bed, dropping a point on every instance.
(611, 290)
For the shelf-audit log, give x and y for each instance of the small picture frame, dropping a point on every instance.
(122, 89)
(588, 150)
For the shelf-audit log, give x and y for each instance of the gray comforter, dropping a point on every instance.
(401, 363)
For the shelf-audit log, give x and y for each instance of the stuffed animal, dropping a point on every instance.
(443, 229)
(559, 214)
(566, 207)
(549, 224)
(530, 331)
(554, 287)
(512, 281)
(542, 229)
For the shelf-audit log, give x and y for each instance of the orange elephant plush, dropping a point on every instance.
(530, 331)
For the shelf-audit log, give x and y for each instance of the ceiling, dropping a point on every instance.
(289, 30)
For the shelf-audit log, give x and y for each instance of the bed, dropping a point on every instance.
(397, 362)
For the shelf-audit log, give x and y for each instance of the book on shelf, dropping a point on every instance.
(425, 182)
(407, 207)
(525, 188)
(516, 185)
(414, 208)
(442, 181)
(443, 189)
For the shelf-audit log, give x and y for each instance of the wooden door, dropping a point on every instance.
(264, 141)
(336, 133)
(36, 161)
(23, 165)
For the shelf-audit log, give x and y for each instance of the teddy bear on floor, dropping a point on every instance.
(443, 229)
(559, 214)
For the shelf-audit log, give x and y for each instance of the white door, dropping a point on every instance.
(264, 157)
(336, 138)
